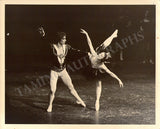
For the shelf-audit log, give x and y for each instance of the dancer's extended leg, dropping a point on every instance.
(98, 94)
(53, 85)
(67, 80)
(108, 41)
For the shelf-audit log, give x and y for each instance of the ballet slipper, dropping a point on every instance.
(49, 108)
(97, 106)
(115, 33)
(81, 103)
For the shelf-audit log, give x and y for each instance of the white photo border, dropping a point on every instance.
(72, 2)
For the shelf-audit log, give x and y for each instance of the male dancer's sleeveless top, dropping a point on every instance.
(58, 61)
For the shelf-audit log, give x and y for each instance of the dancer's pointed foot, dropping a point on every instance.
(97, 106)
(81, 103)
(115, 33)
(49, 108)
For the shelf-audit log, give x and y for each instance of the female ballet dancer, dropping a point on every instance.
(97, 59)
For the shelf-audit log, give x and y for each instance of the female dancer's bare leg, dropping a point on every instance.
(98, 94)
(108, 41)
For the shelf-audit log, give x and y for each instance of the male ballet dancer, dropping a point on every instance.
(60, 53)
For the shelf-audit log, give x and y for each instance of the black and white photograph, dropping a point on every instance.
(90, 64)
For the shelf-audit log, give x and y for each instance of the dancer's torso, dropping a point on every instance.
(95, 62)
(59, 54)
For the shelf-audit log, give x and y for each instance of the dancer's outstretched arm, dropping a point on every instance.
(89, 41)
(112, 74)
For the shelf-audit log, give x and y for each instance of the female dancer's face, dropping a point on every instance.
(101, 55)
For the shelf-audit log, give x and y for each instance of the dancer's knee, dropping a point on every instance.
(72, 90)
(99, 84)
(52, 91)
(52, 87)
(70, 87)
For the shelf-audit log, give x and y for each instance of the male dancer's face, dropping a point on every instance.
(63, 40)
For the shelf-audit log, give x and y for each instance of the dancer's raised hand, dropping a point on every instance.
(41, 31)
(83, 31)
(120, 83)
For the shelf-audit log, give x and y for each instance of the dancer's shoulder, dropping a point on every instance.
(53, 45)
(68, 46)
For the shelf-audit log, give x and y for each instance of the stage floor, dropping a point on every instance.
(133, 104)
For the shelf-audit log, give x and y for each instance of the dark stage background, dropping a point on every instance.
(27, 58)
(26, 50)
